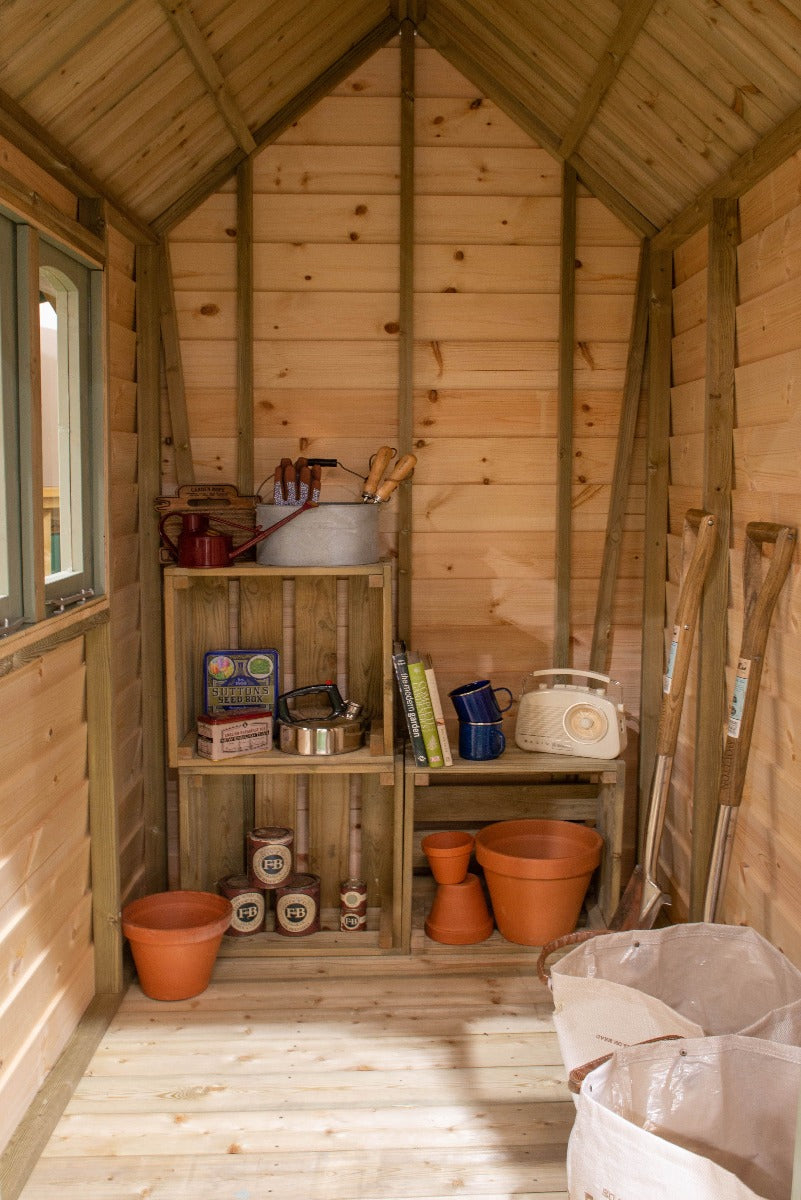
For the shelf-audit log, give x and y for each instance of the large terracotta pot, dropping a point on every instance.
(174, 939)
(538, 873)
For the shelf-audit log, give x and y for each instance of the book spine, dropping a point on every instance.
(401, 668)
(439, 716)
(428, 722)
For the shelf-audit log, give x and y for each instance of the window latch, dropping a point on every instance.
(7, 627)
(62, 603)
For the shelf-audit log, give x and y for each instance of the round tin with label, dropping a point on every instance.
(297, 906)
(269, 852)
(249, 905)
(353, 904)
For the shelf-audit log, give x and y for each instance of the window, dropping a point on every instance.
(50, 480)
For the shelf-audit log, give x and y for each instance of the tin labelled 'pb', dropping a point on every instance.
(269, 853)
(353, 904)
(249, 905)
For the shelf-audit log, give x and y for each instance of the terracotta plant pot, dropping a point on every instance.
(459, 915)
(448, 854)
(174, 939)
(538, 873)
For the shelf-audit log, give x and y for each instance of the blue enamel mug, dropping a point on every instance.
(481, 740)
(477, 701)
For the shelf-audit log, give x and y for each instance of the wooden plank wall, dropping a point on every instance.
(326, 294)
(46, 960)
(764, 880)
(487, 324)
(46, 953)
(124, 565)
(486, 321)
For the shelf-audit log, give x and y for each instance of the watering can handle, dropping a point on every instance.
(166, 541)
(261, 534)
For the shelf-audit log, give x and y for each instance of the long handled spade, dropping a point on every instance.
(759, 602)
(643, 899)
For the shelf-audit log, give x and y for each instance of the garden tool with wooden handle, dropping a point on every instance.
(759, 602)
(651, 897)
(643, 899)
(381, 460)
(402, 470)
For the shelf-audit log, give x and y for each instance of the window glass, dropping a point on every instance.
(61, 423)
(64, 313)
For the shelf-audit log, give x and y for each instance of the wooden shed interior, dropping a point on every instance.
(551, 247)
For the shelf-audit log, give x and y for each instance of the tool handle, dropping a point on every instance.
(684, 624)
(381, 460)
(760, 601)
(403, 468)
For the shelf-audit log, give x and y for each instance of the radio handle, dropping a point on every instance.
(556, 671)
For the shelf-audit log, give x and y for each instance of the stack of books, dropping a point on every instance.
(422, 707)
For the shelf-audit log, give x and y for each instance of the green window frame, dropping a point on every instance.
(52, 459)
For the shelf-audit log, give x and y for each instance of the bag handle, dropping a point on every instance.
(579, 1074)
(567, 939)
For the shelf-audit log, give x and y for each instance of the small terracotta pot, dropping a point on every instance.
(459, 915)
(174, 939)
(448, 854)
(537, 873)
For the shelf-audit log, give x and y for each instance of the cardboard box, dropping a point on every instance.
(221, 736)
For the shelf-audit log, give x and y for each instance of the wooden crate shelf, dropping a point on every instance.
(519, 784)
(326, 623)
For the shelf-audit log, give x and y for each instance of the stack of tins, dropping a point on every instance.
(270, 862)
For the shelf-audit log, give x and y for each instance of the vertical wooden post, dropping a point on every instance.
(656, 516)
(718, 454)
(632, 388)
(244, 327)
(148, 407)
(406, 335)
(104, 840)
(174, 374)
(564, 435)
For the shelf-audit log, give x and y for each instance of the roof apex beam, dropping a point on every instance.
(204, 62)
(632, 19)
(408, 10)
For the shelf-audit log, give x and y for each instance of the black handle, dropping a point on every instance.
(338, 705)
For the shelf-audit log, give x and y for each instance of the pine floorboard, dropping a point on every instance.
(426, 1076)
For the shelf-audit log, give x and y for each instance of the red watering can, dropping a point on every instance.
(201, 546)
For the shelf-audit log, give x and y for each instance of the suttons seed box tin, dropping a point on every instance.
(240, 681)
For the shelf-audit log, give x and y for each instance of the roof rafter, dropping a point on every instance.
(504, 97)
(632, 18)
(204, 62)
(43, 149)
(272, 129)
(774, 149)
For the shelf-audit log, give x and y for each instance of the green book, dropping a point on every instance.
(425, 711)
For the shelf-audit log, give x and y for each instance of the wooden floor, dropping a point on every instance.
(363, 1078)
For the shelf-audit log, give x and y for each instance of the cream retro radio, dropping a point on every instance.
(569, 718)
